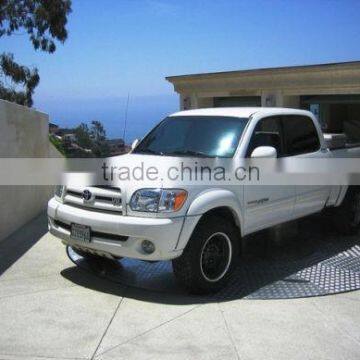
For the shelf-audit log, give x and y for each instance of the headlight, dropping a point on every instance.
(157, 200)
(59, 192)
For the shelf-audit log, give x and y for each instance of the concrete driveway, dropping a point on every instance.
(51, 309)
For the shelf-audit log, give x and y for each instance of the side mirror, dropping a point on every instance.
(135, 144)
(264, 152)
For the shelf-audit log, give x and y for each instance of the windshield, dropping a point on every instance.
(202, 136)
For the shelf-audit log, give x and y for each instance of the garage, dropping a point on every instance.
(233, 101)
(331, 91)
(336, 113)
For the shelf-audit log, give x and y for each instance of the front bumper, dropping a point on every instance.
(164, 233)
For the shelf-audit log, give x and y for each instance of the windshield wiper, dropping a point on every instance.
(190, 153)
(148, 151)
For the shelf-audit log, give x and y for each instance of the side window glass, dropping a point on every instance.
(268, 132)
(300, 135)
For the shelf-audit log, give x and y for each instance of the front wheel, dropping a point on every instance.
(208, 259)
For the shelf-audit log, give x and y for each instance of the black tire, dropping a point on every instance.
(209, 257)
(346, 217)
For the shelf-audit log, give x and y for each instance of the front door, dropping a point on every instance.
(267, 205)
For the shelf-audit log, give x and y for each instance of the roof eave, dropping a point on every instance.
(264, 71)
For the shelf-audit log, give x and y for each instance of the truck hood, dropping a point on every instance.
(136, 171)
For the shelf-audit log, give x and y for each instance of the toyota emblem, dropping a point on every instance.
(86, 195)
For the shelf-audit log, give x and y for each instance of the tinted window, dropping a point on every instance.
(209, 136)
(300, 135)
(268, 132)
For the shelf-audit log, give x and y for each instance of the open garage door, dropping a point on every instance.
(336, 113)
(234, 101)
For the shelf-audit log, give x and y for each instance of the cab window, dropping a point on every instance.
(268, 132)
(300, 135)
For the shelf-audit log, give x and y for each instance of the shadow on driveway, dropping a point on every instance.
(294, 269)
(18, 243)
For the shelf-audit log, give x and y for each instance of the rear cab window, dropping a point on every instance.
(300, 135)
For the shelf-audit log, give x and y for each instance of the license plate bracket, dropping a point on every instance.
(80, 232)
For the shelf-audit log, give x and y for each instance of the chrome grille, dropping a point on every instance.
(103, 198)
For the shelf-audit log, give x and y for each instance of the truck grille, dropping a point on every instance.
(99, 198)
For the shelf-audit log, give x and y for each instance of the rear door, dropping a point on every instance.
(302, 141)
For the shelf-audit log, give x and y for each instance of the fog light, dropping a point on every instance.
(148, 247)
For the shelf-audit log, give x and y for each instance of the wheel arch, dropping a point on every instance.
(221, 203)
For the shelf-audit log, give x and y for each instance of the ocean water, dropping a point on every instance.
(143, 113)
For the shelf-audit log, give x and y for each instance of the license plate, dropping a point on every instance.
(80, 232)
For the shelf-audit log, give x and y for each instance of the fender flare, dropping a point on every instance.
(204, 202)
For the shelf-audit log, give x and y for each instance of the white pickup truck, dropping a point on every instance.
(200, 227)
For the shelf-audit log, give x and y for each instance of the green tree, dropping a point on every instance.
(100, 147)
(58, 144)
(83, 136)
(98, 132)
(44, 21)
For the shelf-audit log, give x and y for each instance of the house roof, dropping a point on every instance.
(270, 70)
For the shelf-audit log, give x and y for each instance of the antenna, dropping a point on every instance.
(126, 114)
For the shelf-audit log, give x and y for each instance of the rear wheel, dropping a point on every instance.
(208, 259)
(347, 215)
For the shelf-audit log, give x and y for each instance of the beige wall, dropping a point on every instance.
(268, 99)
(23, 133)
(279, 87)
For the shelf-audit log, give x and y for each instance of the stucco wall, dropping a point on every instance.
(23, 133)
(276, 86)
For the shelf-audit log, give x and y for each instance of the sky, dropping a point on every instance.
(121, 47)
